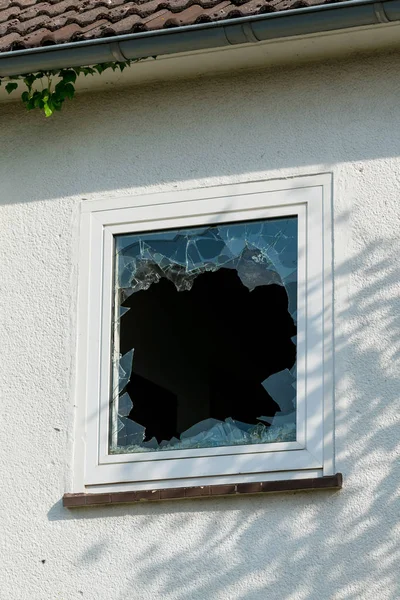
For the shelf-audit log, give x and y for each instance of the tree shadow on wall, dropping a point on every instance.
(315, 546)
(312, 546)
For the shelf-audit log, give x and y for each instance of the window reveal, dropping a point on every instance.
(204, 337)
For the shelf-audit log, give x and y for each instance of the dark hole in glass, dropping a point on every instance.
(199, 344)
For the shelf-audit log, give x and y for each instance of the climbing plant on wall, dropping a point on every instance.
(48, 90)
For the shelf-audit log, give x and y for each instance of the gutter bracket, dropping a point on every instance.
(117, 52)
(249, 33)
(240, 33)
(380, 13)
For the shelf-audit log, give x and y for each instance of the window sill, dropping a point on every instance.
(330, 482)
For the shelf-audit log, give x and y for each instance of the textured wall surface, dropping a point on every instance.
(342, 118)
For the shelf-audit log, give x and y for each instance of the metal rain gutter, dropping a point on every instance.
(253, 29)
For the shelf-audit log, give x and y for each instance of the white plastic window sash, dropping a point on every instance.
(306, 198)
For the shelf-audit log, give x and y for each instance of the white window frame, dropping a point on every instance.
(312, 454)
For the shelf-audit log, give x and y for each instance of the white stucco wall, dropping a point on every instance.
(343, 118)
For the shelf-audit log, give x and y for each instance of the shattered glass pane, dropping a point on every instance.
(205, 337)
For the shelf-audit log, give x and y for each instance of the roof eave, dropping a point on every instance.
(253, 29)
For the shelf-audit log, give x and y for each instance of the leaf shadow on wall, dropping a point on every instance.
(315, 546)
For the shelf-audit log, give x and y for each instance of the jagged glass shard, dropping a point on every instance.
(122, 311)
(280, 387)
(117, 426)
(262, 253)
(130, 433)
(211, 434)
(124, 369)
(219, 433)
(168, 443)
(125, 405)
(251, 255)
(280, 418)
(291, 290)
(151, 444)
(200, 428)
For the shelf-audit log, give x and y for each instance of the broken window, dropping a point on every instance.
(204, 341)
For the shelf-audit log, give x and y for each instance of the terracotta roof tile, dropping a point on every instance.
(34, 23)
(8, 41)
(8, 14)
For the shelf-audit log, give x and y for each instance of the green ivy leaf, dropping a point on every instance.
(68, 75)
(48, 111)
(52, 101)
(30, 105)
(56, 105)
(88, 71)
(10, 87)
(36, 100)
(69, 90)
(59, 90)
(29, 79)
(64, 90)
